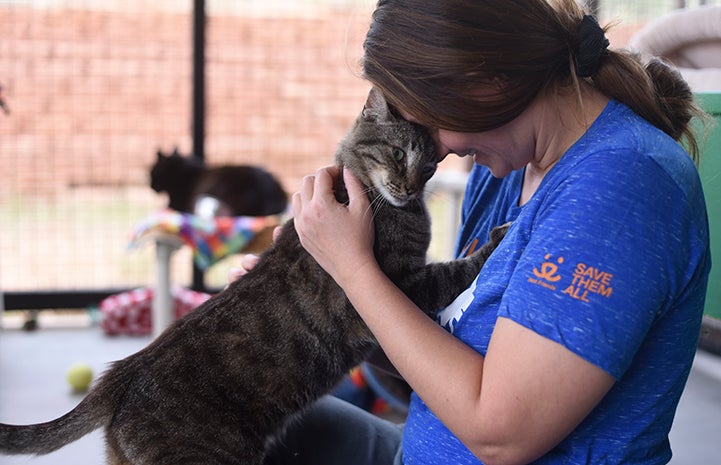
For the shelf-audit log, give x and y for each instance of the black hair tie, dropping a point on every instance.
(592, 47)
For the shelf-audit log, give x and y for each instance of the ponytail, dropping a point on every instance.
(656, 91)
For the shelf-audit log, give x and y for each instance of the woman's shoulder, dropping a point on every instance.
(621, 146)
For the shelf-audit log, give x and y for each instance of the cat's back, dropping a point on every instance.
(246, 190)
(286, 283)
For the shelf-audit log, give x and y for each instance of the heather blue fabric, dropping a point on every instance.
(609, 258)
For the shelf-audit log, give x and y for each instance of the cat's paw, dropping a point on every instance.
(498, 233)
(495, 237)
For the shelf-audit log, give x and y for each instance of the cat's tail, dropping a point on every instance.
(93, 412)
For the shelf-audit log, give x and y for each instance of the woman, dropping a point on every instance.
(575, 341)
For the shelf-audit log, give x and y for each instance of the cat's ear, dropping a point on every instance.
(376, 106)
(160, 154)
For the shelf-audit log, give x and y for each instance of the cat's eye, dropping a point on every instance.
(399, 154)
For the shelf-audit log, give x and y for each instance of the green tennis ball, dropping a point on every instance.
(80, 375)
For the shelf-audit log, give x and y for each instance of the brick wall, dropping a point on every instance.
(93, 94)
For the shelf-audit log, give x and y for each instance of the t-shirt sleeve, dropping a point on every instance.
(604, 259)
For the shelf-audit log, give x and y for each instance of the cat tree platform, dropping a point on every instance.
(211, 240)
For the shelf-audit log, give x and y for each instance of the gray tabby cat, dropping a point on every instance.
(219, 385)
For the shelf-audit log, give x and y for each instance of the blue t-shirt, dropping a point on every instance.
(609, 258)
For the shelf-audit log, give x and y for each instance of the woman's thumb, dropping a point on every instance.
(356, 190)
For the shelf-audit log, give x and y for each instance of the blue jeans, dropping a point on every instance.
(334, 432)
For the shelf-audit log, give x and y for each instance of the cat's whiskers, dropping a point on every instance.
(368, 191)
(378, 202)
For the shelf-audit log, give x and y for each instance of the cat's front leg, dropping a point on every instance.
(436, 285)
(494, 238)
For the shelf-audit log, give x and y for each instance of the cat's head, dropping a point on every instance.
(389, 155)
(171, 169)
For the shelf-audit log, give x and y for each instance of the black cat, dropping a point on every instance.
(241, 190)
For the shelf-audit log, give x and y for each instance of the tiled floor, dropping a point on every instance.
(33, 389)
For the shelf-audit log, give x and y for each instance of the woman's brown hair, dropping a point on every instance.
(431, 57)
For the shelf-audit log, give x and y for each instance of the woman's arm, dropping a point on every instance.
(511, 406)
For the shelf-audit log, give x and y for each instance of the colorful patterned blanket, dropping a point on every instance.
(210, 239)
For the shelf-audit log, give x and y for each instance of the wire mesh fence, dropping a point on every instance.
(94, 88)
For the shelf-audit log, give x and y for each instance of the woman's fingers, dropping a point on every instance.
(249, 261)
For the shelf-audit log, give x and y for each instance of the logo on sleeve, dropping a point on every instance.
(547, 274)
(585, 280)
(588, 279)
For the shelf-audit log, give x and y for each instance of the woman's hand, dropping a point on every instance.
(248, 261)
(339, 237)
